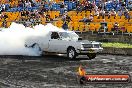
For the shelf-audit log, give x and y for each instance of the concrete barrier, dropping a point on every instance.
(117, 51)
(107, 38)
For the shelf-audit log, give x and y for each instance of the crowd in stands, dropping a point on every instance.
(29, 11)
(104, 12)
(109, 8)
(76, 14)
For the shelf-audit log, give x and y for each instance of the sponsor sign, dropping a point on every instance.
(102, 78)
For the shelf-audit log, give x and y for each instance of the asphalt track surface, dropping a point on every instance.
(59, 72)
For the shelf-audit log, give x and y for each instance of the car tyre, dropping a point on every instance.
(36, 47)
(71, 53)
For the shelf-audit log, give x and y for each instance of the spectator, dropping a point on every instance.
(47, 17)
(23, 14)
(86, 6)
(0, 9)
(100, 6)
(90, 6)
(112, 13)
(96, 13)
(68, 19)
(50, 6)
(65, 8)
(62, 8)
(114, 4)
(28, 22)
(21, 20)
(102, 13)
(95, 7)
(3, 7)
(120, 13)
(127, 15)
(103, 27)
(130, 5)
(20, 4)
(65, 26)
(38, 19)
(36, 13)
(32, 14)
(123, 6)
(90, 18)
(0, 15)
(115, 27)
(27, 13)
(32, 20)
(27, 4)
(40, 11)
(78, 9)
(4, 16)
(85, 19)
(43, 9)
(64, 17)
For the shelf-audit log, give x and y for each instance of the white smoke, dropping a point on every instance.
(13, 39)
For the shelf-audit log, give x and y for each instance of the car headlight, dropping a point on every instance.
(82, 47)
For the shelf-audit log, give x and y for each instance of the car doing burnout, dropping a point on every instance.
(66, 42)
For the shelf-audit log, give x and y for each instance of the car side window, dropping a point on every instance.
(54, 35)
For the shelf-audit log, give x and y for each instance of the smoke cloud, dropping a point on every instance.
(13, 39)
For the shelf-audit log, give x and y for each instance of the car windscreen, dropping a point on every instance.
(69, 35)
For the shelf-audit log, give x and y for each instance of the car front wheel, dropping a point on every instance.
(71, 53)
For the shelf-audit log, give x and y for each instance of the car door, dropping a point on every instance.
(64, 42)
(53, 42)
(57, 43)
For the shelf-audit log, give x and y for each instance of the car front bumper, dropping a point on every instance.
(90, 50)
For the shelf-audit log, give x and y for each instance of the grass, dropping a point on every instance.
(117, 45)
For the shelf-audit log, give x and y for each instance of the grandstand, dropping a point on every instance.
(78, 13)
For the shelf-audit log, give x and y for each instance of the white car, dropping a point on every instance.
(65, 42)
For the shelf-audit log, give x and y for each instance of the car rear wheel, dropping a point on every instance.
(37, 48)
(71, 53)
(91, 55)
